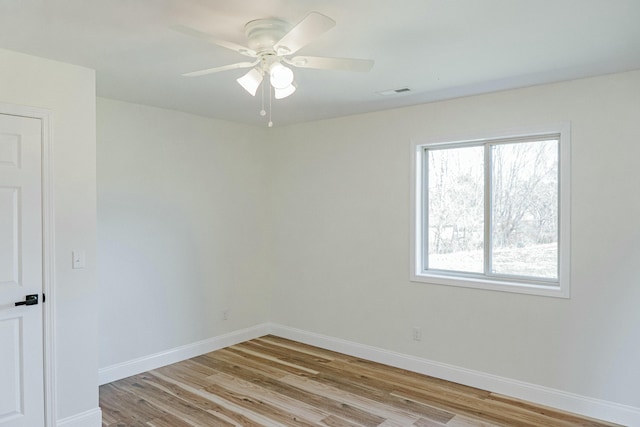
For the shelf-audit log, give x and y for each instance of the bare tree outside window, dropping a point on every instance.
(521, 222)
(456, 209)
(524, 209)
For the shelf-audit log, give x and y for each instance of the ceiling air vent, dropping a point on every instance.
(389, 92)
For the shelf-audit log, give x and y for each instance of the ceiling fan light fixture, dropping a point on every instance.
(271, 42)
(281, 77)
(283, 93)
(251, 81)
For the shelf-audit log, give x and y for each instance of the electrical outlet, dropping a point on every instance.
(417, 333)
(225, 315)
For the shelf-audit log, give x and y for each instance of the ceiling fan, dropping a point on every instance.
(271, 45)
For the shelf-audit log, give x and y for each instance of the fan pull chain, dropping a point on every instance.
(262, 111)
(270, 124)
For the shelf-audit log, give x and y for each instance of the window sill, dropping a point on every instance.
(551, 290)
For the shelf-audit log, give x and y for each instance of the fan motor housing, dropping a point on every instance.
(263, 34)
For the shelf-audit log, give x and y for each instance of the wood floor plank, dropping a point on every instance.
(345, 377)
(462, 421)
(183, 409)
(476, 409)
(256, 375)
(333, 421)
(268, 358)
(307, 349)
(255, 363)
(207, 404)
(548, 412)
(121, 407)
(285, 404)
(383, 379)
(332, 406)
(275, 382)
(396, 376)
(427, 423)
(375, 407)
(377, 389)
(168, 420)
(244, 417)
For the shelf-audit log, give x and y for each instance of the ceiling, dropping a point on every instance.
(439, 49)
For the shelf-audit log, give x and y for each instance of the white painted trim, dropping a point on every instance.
(48, 251)
(174, 355)
(91, 418)
(571, 402)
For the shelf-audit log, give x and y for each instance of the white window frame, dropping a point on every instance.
(561, 288)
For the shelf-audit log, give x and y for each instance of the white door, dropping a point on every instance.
(21, 327)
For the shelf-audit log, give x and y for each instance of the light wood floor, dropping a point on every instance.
(275, 382)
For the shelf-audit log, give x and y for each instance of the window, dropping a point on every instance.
(493, 212)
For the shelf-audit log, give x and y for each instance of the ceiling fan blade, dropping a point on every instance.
(312, 26)
(223, 68)
(341, 64)
(242, 50)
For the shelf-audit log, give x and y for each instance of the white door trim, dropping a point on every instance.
(48, 253)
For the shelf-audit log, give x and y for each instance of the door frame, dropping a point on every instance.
(48, 252)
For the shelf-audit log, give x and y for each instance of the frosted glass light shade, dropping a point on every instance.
(251, 81)
(283, 93)
(281, 77)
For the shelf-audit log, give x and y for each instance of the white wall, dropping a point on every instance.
(181, 229)
(69, 93)
(341, 241)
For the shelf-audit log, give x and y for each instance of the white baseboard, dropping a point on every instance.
(91, 418)
(174, 355)
(570, 402)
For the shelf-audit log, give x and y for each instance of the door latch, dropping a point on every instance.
(29, 300)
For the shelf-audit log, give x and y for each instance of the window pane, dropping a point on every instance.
(456, 209)
(524, 232)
